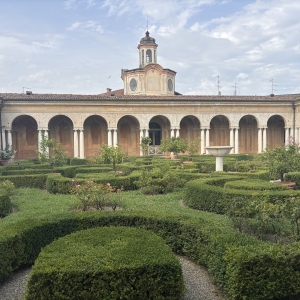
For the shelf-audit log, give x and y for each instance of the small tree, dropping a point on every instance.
(112, 155)
(55, 156)
(145, 142)
(193, 147)
(282, 160)
(173, 144)
(43, 152)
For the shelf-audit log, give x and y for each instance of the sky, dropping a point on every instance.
(251, 47)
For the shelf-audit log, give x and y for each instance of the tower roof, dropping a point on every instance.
(147, 39)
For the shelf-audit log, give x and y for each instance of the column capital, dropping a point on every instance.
(205, 127)
(234, 127)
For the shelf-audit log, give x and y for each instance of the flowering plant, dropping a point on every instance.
(92, 194)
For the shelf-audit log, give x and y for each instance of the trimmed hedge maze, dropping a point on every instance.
(106, 263)
(245, 268)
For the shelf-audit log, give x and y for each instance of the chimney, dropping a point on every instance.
(108, 90)
(28, 92)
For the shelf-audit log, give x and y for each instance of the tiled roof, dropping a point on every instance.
(118, 95)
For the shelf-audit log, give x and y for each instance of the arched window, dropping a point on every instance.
(148, 56)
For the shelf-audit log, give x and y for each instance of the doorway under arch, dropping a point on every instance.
(248, 136)
(25, 137)
(275, 132)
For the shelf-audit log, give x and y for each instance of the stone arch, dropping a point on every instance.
(190, 128)
(275, 132)
(95, 134)
(129, 135)
(248, 137)
(61, 130)
(159, 128)
(219, 131)
(25, 137)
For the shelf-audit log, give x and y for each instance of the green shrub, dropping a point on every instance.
(25, 172)
(254, 185)
(31, 181)
(294, 177)
(210, 194)
(107, 263)
(78, 161)
(5, 204)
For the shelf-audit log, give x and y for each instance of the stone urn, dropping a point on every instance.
(219, 152)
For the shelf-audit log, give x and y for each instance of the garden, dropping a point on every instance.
(89, 225)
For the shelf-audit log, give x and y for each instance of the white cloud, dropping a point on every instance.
(86, 26)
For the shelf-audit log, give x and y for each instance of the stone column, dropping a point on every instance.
(115, 138)
(141, 136)
(297, 135)
(236, 140)
(39, 139)
(177, 133)
(264, 139)
(259, 140)
(75, 143)
(81, 137)
(231, 137)
(46, 135)
(9, 138)
(109, 138)
(202, 142)
(172, 133)
(287, 135)
(207, 139)
(3, 139)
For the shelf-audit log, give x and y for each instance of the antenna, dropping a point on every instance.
(235, 87)
(218, 86)
(273, 87)
(24, 87)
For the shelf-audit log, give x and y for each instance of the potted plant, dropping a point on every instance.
(6, 154)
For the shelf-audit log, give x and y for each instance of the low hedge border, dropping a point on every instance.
(57, 184)
(5, 204)
(106, 263)
(227, 254)
(254, 185)
(30, 181)
(210, 194)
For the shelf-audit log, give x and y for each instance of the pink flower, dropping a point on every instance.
(108, 184)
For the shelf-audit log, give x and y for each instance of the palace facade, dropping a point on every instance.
(148, 105)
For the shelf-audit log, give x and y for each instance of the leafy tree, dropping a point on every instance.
(282, 160)
(145, 142)
(173, 144)
(55, 156)
(112, 155)
(193, 147)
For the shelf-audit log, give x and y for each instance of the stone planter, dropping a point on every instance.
(289, 184)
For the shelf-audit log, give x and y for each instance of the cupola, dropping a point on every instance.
(147, 50)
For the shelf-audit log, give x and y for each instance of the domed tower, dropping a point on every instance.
(150, 78)
(147, 50)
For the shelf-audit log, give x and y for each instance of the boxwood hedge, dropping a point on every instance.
(246, 268)
(210, 194)
(106, 263)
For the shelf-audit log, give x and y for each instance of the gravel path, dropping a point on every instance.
(198, 283)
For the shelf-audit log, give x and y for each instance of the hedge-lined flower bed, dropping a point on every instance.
(220, 248)
(210, 194)
(106, 263)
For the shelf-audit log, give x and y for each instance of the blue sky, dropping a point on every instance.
(80, 46)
